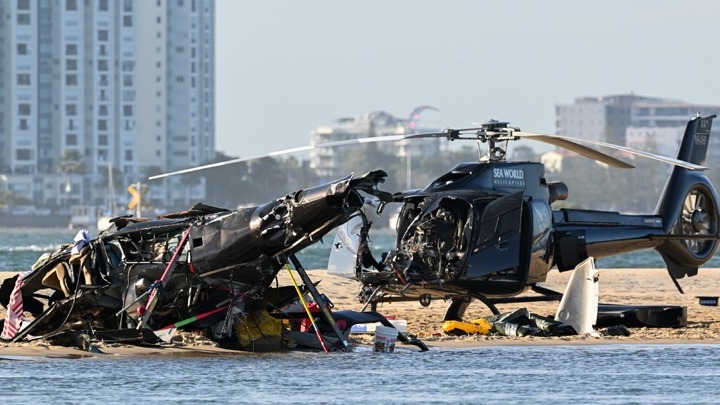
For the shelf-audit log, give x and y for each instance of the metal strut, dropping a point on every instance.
(318, 299)
(158, 285)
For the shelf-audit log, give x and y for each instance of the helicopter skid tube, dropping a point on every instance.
(459, 305)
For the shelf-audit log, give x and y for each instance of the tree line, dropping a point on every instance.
(591, 185)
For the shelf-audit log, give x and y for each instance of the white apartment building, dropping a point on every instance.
(177, 109)
(327, 162)
(88, 84)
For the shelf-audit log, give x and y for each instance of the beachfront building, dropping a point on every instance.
(93, 86)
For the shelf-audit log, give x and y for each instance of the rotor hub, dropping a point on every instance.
(697, 220)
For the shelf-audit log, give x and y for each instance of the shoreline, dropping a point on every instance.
(624, 286)
(35, 221)
(25, 351)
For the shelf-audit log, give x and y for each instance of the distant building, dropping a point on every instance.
(598, 118)
(327, 162)
(176, 99)
(659, 127)
(86, 84)
(647, 123)
(553, 159)
(654, 125)
(660, 140)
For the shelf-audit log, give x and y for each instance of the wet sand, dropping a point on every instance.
(617, 286)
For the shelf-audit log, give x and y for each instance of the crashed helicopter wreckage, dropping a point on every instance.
(484, 230)
(208, 269)
(487, 230)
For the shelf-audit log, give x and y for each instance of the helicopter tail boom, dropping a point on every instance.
(689, 206)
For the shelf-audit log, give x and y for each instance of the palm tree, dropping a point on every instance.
(70, 162)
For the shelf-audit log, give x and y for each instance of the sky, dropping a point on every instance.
(284, 68)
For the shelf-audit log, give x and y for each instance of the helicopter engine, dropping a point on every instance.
(431, 247)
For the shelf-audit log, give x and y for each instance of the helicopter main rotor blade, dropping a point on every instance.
(575, 147)
(551, 139)
(573, 144)
(372, 139)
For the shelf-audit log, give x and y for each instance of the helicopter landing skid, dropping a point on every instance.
(459, 304)
(457, 307)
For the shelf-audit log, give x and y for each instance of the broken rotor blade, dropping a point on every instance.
(372, 139)
(231, 161)
(575, 147)
(553, 138)
(165, 335)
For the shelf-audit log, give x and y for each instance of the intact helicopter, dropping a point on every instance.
(486, 230)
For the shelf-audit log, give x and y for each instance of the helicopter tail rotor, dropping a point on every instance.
(689, 206)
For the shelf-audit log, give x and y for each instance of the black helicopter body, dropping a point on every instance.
(487, 230)
(143, 274)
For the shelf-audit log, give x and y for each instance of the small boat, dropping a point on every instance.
(83, 216)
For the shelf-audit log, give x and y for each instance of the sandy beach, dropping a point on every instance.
(617, 286)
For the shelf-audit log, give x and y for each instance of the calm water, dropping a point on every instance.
(612, 374)
(615, 374)
(19, 248)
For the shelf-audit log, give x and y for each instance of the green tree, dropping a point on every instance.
(70, 162)
(645, 182)
(190, 180)
(428, 168)
(266, 180)
(10, 198)
(151, 171)
(226, 185)
(361, 160)
(524, 153)
(298, 173)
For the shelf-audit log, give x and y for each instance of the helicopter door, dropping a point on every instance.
(498, 242)
(344, 252)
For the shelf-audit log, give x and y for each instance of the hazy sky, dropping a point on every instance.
(286, 67)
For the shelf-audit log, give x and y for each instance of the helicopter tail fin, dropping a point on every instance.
(694, 146)
(689, 206)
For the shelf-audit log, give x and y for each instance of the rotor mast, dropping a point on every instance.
(492, 132)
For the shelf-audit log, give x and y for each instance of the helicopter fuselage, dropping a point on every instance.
(488, 228)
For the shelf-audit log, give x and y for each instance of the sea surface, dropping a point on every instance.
(20, 248)
(608, 374)
(605, 374)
